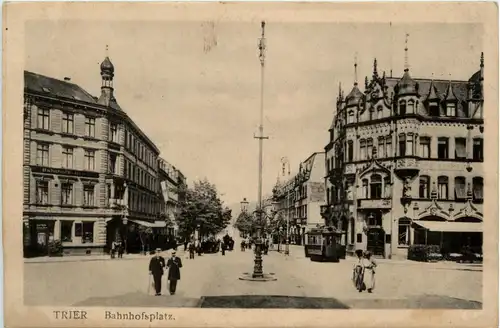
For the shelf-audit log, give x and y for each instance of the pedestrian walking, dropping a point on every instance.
(358, 272)
(369, 265)
(185, 245)
(113, 249)
(156, 266)
(174, 265)
(191, 250)
(121, 249)
(223, 247)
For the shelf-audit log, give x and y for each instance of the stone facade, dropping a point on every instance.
(401, 154)
(90, 173)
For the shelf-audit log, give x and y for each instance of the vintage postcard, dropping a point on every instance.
(250, 164)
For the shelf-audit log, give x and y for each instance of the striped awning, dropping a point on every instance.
(446, 226)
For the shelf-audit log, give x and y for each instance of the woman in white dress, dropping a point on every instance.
(369, 266)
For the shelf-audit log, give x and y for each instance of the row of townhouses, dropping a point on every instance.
(91, 175)
(403, 165)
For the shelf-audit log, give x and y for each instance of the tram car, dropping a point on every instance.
(323, 245)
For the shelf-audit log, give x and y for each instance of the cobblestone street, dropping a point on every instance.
(125, 283)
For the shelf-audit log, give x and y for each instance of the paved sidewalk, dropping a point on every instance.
(103, 257)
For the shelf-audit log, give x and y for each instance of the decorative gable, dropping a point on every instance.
(468, 211)
(434, 210)
(374, 166)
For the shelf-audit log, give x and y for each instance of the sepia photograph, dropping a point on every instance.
(250, 162)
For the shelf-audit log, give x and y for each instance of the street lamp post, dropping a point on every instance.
(258, 274)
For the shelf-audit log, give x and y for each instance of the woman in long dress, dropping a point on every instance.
(358, 271)
(369, 266)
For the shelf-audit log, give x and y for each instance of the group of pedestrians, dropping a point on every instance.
(156, 269)
(363, 275)
(117, 248)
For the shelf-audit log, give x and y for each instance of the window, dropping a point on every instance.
(364, 191)
(460, 148)
(402, 107)
(88, 232)
(350, 151)
(43, 119)
(67, 160)
(42, 154)
(433, 109)
(388, 146)
(90, 126)
(112, 163)
(477, 149)
(362, 145)
(443, 148)
(66, 231)
(88, 195)
(369, 148)
(125, 169)
(460, 192)
(477, 188)
(387, 187)
(425, 147)
(372, 111)
(450, 109)
(402, 145)
(411, 107)
(376, 186)
(113, 132)
(68, 123)
(424, 187)
(443, 187)
(89, 160)
(66, 194)
(404, 232)
(380, 112)
(381, 145)
(42, 192)
(350, 118)
(409, 144)
(359, 238)
(352, 231)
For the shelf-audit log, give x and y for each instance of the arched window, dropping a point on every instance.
(402, 107)
(350, 151)
(376, 186)
(369, 148)
(387, 187)
(373, 114)
(350, 118)
(411, 107)
(364, 190)
(404, 232)
(362, 147)
(380, 112)
(424, 187)
(443, 187)
(460, 191)
(409, 144)
(402, 145)
(477, 189)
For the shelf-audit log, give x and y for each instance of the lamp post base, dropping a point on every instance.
(262, 278)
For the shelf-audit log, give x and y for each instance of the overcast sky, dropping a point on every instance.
(201, 108)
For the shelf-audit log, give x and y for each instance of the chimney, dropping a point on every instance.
(67, 79)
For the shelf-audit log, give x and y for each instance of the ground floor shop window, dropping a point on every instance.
(66, 231)
(88, 232)
(404, 232)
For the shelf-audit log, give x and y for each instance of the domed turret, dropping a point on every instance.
(407, 85)
(354, 97)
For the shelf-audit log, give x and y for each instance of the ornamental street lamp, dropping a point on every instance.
(258, 274)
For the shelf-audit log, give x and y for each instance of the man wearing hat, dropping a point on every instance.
(156, 266)
(174, 265)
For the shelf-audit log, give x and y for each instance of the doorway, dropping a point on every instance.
(376, 241)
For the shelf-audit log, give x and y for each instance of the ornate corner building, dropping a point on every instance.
(405, 164)
(91, 175)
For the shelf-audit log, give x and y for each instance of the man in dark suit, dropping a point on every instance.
(156, 266)
(174, 265)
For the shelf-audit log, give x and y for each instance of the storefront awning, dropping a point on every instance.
(156, 224)
(451, 226)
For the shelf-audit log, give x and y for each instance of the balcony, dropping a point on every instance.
(407, 166)
(373, 204)
(349, 169)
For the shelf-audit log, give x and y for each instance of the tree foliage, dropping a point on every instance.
(200, 207)
(244, 222)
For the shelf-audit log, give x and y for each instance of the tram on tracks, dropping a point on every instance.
(323, 245)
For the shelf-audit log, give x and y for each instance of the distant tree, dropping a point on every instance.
(244, 223)
(201, 207)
